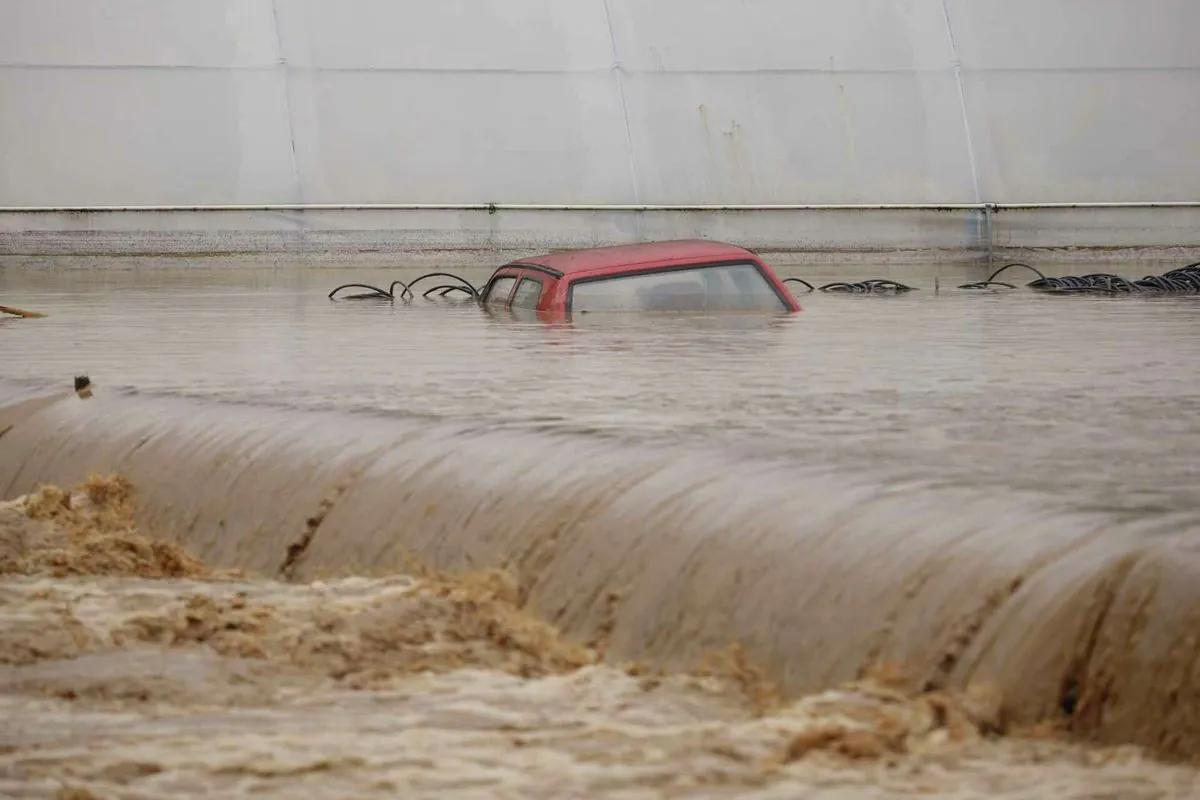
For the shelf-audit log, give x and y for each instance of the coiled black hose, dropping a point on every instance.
(1185, 280)
(463, 285)
(872, 286)
(991, 280)
(446, 288)
(375, 293)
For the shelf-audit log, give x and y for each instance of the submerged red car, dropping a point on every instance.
(687, 275)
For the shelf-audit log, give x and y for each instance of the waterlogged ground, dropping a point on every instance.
(130, 670)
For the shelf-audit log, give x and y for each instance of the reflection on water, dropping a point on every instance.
(1092, 398)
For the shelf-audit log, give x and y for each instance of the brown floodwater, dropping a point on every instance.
(1094, 399)
(128, 669)
(993, 489)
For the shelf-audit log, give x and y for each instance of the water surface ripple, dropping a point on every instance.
(1092, 399)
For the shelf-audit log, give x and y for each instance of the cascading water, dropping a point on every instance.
(818, 574)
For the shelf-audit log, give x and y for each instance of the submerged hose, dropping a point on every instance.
(871, 286)
(991, 280)
(466, 286)
(375, 293)
(800, 280)
(1185, 280)
(445, 290)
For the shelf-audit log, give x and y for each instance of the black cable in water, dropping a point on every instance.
(467, 286)
(871, 286)
(800, 280)
(444, 289)
(991, 279)
(375, 293)
(1184, 280)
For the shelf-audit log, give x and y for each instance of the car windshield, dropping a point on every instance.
(719, 287)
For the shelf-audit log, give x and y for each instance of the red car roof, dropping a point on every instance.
(597, 258)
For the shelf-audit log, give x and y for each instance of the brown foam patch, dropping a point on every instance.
(87, 531)
(875, 719)
(437, 623)
(734, 665)
(431, 625)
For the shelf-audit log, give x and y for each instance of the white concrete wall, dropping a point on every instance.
(142, 102)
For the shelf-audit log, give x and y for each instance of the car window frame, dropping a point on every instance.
(541, 284)
(499, 276)
(691, 265)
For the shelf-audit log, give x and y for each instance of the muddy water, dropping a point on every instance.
(129, 669)
(995, 489)
(1091, 398)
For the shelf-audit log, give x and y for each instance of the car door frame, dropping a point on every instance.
(546, 277)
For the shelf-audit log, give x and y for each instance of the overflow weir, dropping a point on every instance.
(817, 575)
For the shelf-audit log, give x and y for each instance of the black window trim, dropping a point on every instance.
(553, 273)
(787, 306)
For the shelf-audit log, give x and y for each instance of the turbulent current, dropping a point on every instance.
(134, 670)
(906, 590)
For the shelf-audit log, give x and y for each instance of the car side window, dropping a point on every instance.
(528, 292)
(714, 287)
(498, 292)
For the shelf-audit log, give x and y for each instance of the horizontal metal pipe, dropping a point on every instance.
(595, 207)
(1117, 204)
(481, 207)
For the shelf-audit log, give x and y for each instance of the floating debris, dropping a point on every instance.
(20, 312)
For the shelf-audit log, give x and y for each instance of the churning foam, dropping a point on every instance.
(674, 552)
(130, 669)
